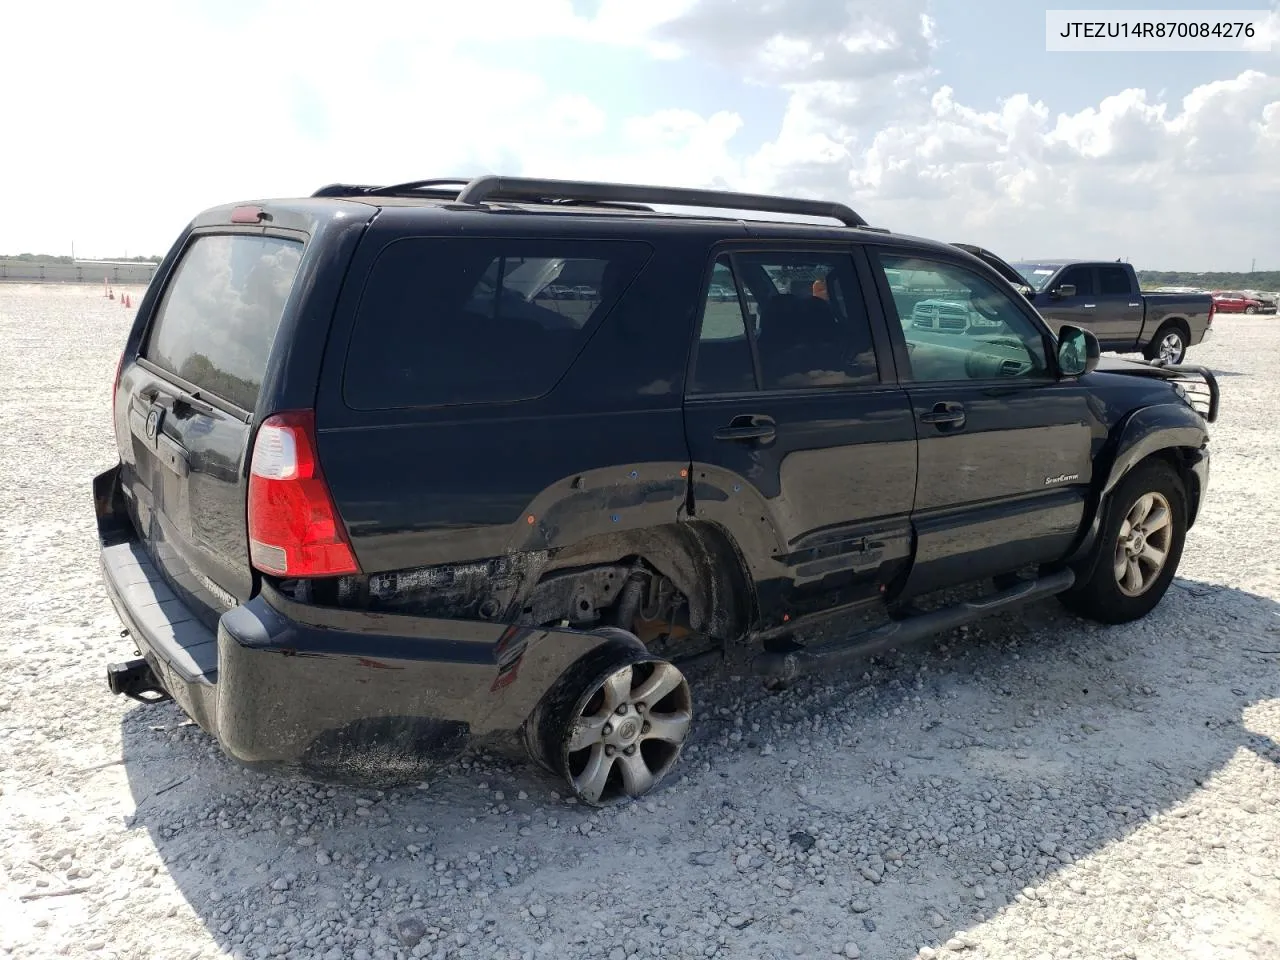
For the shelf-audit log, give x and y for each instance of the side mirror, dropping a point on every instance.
(1078, 352)
(1063, 291)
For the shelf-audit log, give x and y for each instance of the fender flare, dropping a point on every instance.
(1141, 434)
(1149, 430)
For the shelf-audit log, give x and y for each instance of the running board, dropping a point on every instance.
(792, 664)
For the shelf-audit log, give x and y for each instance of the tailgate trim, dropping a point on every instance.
(156, 617)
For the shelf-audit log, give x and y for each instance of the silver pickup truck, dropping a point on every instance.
(1104, 298)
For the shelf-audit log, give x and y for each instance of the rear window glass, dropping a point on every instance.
(220, 313)
(453, 321)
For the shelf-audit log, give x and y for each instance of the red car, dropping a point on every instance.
(1227, 301)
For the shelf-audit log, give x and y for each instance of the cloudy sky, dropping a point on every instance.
(946, 119)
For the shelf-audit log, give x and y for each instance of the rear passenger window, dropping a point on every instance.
(455, 321)
(1114, 281)
(806, 314)
(813, 329)
(220, 313)
(723, 362)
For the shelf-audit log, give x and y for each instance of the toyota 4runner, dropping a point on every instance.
(402, 467)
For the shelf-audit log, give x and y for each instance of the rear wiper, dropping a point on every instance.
(179, 397)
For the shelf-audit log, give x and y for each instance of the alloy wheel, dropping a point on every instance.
(1142, 548)
(628, 732)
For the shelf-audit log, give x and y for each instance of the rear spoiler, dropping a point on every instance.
(996, 264)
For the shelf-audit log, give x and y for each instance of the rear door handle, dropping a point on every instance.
(944, 414)
(749, 426)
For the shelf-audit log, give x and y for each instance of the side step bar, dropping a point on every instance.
(792, 664)
(137, 681)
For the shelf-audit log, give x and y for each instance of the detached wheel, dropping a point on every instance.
(1138, 551)
(612, 730)
(1169, 344)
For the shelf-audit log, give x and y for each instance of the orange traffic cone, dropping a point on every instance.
(128, 301)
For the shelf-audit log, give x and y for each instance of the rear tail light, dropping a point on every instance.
(294, 527)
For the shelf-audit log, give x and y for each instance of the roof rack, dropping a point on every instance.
(518, 188)
(624, 196)
(426, 188)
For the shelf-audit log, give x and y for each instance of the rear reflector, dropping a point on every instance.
(294, 527)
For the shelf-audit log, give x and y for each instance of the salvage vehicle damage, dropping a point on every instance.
(346, 569)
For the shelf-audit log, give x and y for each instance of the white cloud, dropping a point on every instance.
(127, 123)
(1128, 177)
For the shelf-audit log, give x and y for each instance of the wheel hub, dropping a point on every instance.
(625, 732)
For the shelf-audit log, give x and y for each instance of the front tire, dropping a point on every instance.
(1139, 549)
(1169, 344)
(1251, 310)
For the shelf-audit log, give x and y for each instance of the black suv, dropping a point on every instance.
(401, 467)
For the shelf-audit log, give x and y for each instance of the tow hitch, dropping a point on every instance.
(137, 681)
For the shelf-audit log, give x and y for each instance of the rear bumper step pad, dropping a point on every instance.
(156, 617)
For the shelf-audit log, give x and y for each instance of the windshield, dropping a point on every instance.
(1036, 274)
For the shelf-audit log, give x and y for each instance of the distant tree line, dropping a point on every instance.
(1261, 280)
(49, 258)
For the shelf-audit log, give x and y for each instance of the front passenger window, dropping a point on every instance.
(1081, 278)
(959, 326)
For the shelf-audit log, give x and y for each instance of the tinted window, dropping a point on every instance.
(812, 329)
(1114, 281)
(1035, 274)
(723, 362)
(449, 321)
(1082, 277)
(220, 312)
(958, 325)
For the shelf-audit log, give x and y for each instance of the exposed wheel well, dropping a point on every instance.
(1179, 458)
(667, 583)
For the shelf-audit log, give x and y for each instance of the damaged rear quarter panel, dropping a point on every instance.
(353, 695)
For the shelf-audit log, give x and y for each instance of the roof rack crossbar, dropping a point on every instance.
(415, 185)
(444, 187)
(518, 188)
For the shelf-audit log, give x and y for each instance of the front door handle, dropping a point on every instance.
(946, 414)
(1090, 306)
(749, 426)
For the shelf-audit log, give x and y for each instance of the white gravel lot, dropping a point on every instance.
(1031, 787)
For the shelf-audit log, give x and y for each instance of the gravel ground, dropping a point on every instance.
(1031, 787)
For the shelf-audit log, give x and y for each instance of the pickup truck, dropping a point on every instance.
(1105, 299)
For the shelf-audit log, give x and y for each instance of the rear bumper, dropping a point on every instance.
(336, 694)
